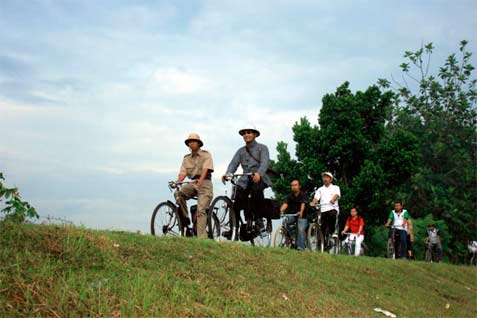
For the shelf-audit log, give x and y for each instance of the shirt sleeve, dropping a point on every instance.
(208, 163)
(406, 215)
(347, 222)
(361, 222)
(391, 215)
(318, 194)
(182, 170)
(233, 165)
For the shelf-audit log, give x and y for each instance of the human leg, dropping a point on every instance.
(301, 226)
(204, 197)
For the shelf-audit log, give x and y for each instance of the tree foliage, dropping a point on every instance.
(14, 208)
(413, 140)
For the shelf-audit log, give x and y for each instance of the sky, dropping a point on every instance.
(97, 97)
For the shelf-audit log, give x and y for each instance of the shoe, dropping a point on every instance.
(189, 232)
(227, 234)
(335, 235)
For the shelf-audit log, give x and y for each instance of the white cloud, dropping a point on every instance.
(175, 81)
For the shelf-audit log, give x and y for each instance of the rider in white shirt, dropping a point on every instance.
(328, 196)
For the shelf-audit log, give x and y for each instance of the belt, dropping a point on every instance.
(207, 177)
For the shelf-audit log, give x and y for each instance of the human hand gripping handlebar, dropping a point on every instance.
(233, 177)
(176, 185)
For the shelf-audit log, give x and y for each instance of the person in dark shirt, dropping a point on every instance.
(296, 204)
(254, 158)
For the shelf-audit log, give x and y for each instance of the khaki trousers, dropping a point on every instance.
(204, 197)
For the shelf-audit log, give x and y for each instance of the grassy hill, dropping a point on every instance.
(59, 271)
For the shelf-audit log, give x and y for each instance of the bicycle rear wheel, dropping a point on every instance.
(221, 220)
(213, 226)
(264, 235)
(164, 220)
(281, 238)
(473, 260)
(314, 238)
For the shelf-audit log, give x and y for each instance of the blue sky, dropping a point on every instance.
(96, 97)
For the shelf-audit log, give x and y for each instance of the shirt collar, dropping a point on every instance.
(251, 145)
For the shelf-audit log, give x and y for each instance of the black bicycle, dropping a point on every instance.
(225, 225)
(432, 253)
(394, 248)
(166, 220)
(316, 239)
(285, 235)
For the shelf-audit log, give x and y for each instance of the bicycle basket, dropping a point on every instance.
(272, 209)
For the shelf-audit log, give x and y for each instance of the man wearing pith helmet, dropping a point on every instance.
(198, 166)
(254, 158)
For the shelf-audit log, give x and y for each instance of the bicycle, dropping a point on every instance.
(316, 239)
(285, 235)
(432, 254)
(228, 227)
(348, 246)
(166, 221)
(393, 241)
(473, 250)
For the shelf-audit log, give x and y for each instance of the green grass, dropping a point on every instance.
(62, 271)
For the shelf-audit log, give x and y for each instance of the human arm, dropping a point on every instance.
(182, 173)
(203, 174)
(283, 208)
(361, 226)
(233, 165)
(336, 195)
(334, 198)
(346, 228)
(316, 198)
(302, 210)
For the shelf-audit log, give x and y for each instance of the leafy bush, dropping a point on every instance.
(15, 209)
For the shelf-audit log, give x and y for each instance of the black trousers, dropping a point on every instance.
(328, 221)
(256, 205)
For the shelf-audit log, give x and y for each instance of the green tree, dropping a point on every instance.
(440, 111)
(14, 208)
(351, 141)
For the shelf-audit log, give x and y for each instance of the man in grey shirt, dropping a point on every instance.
(254, 158)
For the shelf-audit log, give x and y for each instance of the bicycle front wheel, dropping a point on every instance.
(221, 221)
(390, 249)
(281, 238)
(333, 245)
(314, 238)
(164, 220)
(264, 235)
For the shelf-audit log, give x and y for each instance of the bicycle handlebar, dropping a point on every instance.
(288, 215)
(231, 177)
(174, 185)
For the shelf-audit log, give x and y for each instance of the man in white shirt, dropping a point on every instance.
(328, 196)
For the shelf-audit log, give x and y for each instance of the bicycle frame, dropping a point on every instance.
(290, 239)
(233, 178)
(326, 236)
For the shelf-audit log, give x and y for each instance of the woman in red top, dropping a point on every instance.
(355, 225)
